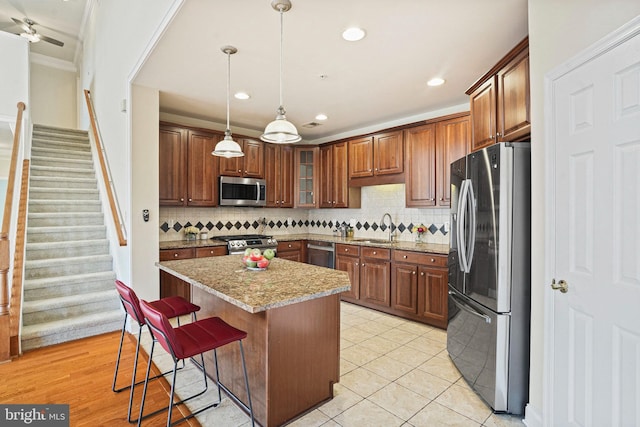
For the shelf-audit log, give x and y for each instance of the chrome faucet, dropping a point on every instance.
(390, 224)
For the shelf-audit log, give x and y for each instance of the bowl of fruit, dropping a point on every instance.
(256, 260)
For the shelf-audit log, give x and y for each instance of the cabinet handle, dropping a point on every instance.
(369, 170)
(404, 256)
(374, 252)
(413, 272)
(190, 200)
(376, 168)
(239, 170)
(492, 137)
(363, 265)
(422, 273)
(175, 255)
(498, 135)
(182, 199)
(433, 260)
(442, 199)
(289, 245)
(357, 264)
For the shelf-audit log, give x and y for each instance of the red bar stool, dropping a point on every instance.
(188, 341)
(171, 307)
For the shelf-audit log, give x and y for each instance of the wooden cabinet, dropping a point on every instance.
(375, 270)
(376, 155)
(348, 259)
(251, 165)
(278, 172)
(293, 251)
(187, 170)
(419, 286)
(334, 189)
(429, 151)
(170, 285)
(369, 272)
(499, 101)
(306, 177)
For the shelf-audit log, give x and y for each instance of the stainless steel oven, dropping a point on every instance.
(320, 253)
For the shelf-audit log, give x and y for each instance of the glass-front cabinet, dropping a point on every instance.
(306, 172)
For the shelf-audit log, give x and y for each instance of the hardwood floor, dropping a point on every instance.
(79, 373)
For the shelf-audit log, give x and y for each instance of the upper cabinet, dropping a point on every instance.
(251, 165)
(334, 189)
(278, 168)
(499, 101)
(429, 150)
(380, 155)
(187, 169)
(306, 177)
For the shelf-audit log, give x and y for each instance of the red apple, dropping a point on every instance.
(263, 263)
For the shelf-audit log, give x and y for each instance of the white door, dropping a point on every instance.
(595, 236)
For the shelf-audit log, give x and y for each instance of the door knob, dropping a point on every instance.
(562, 286)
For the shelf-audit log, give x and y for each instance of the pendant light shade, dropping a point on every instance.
(281, 131)
(228, 147)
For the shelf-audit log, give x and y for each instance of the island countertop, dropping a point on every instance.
(283, 283)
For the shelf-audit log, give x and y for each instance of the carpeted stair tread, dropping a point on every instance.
(74, 278)
(71, 300)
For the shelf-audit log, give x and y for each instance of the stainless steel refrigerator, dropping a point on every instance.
(489, 273)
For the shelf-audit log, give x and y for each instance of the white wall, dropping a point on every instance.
(118, 35)
(14, 75)
(558, 30)
(53, 96)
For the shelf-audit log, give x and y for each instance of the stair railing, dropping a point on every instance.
(5, 248)
(118, 219)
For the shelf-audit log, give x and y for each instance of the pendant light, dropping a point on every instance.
(281, 131)
(228, 147)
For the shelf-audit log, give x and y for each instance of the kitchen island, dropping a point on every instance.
(291, 313)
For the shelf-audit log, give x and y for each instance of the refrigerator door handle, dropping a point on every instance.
(462, 211)
(472, 227)
(461, 305)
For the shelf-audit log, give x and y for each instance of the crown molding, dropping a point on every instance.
(48, 61)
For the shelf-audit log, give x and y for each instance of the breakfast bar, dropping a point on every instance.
(291, 313)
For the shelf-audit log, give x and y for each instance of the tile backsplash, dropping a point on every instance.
(366, 220)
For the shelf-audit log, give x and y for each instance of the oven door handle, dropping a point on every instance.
(461, 305)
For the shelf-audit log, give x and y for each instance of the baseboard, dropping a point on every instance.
(532, 417)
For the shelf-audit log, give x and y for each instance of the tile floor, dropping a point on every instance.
(393, 372)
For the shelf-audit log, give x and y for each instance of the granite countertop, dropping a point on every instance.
(432, 248)
(283, 283)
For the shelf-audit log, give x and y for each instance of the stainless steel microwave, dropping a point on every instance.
(236, 191)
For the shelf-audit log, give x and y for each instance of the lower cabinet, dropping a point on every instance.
(293, 251)
(412, 285)
(419, 286)
(171, 285)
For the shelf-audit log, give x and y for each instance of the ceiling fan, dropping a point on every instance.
(32, 35)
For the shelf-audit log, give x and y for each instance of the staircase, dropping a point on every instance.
(69, 290)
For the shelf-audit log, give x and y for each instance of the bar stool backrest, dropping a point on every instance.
(162, 330)
(130, 302)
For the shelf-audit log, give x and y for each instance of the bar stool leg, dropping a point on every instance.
(115, 374)
(215, 358)
(246, 383)
(146, 382)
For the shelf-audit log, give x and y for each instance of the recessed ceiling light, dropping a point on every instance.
(321, 117)
(242, 95)
(353, 34)
(437, 81)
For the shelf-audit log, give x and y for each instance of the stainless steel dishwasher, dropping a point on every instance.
(320, 253)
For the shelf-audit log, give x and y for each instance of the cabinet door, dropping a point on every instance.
(404, 288)
(202, 169)
(360, 157)
(306, 177)
(420, 151)
(352, 266)
(452, 143)
(231, 166)
(253, 158)
(272, 175)
(172, 156)
(211, 251)
(514, 107)
(375, 286)
(340, 189)
(291, 255)
(483, 115)
(433, 296)
(286, 176)
(326, 176)
(388, 154)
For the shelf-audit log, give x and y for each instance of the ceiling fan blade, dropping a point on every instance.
(22, 24)
(50, 40)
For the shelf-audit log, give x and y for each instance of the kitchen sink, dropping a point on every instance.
(376, 241)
